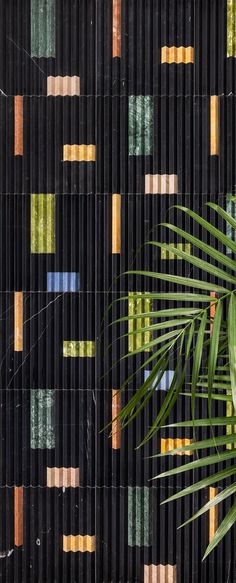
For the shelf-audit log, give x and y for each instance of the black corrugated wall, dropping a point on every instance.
(111, 112)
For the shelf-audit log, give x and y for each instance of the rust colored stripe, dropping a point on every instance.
(212, 311)
(18, 125)
(116, 219)
(116, 429)
(116, 28)
(18, 321)
(214, 134)
(213, 514)
(18, 516)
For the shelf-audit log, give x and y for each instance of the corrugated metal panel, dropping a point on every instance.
(111, 111)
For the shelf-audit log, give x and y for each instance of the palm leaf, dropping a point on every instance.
(214, 344)
(224, 527)
(232, 345)
(212, 479)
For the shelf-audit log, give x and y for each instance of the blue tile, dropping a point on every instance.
(165, 382)
(63, 281)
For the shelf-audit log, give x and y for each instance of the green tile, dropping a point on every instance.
(43, 28)
(186, 247)
(139, 516)
(42, 423)
(138, 304)
(78, 348)
(140, 125)
(43, 236)
(231, 28)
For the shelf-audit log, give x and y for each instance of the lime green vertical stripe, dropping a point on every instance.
(43, 28)
(131, 324)
(138, 304)
(139, 322)
(147, 321)
(43, 239)
(230, 429)
(231, 28)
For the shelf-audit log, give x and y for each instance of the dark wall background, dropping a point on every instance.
(108, 504)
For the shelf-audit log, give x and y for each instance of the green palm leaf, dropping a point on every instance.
(224, 527)
(205, 343)
(232, 345)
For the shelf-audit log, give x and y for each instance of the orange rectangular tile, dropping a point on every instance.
(116, 223)
(62, 477)
(79, 543)
(213, 514)
(79, 153)
(18, 125)
(18, 321)
(214, 125)
(212, 310)
(169, 444)
(116, 28)
(177, 55)
(116, 426)
(160, 574)
(18, 516)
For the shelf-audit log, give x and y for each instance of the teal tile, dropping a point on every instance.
(139, 516)
(140, 125)
(230, 231)
(42, 423)
(43, 28)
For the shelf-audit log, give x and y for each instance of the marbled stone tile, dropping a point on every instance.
(140, 125)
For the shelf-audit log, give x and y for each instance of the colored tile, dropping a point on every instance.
(230, 429)
(139, 516)
(116, 28)
(116, 425)
(42, 422)
(18, 321)
(160, 574)
(79, 153)
(140, 128)
(63, 85)
(18, 516)
(230, 231)
(63, 281)
(18, 125)
(43, 236)
(213, 514)
(138, 304)
(212, 311)
(43, 28)
(116, 223)
(214, 125)
(161, 184)
(231, 28)
(165, 381)
(79, 543)
(177, 55)
(78, 348)
(169, 444)
(62, 477)
(165, 254)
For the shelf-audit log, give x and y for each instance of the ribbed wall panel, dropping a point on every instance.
(111, 112)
